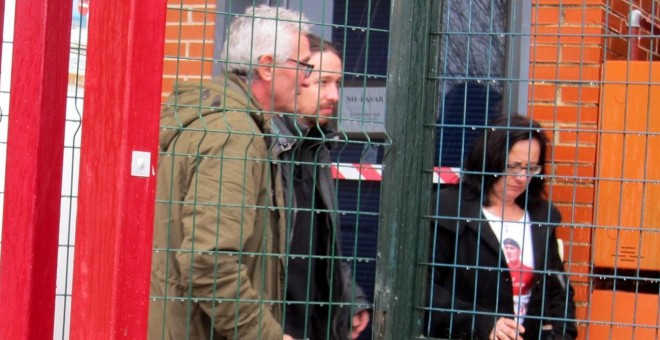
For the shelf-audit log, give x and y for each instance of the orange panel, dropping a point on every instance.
(635, 315)
(628, 196)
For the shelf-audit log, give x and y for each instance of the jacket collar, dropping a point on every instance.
(239, 84)
(472, 214)
(283, 137)
(454, 203)
(541, 232)
(287, 132)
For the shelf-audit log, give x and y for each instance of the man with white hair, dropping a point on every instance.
(219, 226)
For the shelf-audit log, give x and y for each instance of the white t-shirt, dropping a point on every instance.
(515, 239)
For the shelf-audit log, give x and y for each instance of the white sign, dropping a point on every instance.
(78, 54)
(362, 110)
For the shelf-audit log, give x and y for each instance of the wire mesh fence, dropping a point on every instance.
(321, 218)
(288, 202)
(592, 148)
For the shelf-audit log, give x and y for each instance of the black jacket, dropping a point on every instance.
(347, 295)
(470, 286)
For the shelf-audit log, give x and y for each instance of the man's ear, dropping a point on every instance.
(265, 68)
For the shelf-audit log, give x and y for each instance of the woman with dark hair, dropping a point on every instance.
(476, 292)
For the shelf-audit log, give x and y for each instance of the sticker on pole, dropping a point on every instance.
(140, 164)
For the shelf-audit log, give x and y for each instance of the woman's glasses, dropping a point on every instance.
(517, 168)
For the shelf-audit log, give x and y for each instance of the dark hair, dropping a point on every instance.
(316, 44)
(488, 159)
(510, 242)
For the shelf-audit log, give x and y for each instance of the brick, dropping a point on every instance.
(581, 54)
(191, 2)
(579, 220)
(574, 170)
(580, 73)
(578, 272)
(547, 92)
(199, 50)
(647, 7)
(550, 134)
(645, 43)
(189, 32)
(577, 253)
(568, 35)
(569, 2)
(644, 55)
(613, 55)
(203, 16)
(579, 137)
(175, 49)
(564, 114)
(177, 15)
(546, 15)
(580, 94)
(581, 313)
(577, 193)
(584, 15)
(581, 293)
(575, 234)
(618, 45)
(544, 72)
(569, 153)
(565, 72)
(545, 34)
(620, 7)
(544, 53)
(617, 23)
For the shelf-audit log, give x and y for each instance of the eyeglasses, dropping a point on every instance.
(305, 67)
(530, 169)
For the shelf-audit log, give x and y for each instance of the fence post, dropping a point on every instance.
(33, 178)
(407, 173)
(123, 78)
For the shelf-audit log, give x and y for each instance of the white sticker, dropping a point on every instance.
(140, 164)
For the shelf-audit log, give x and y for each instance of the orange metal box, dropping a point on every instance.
(627, 202)
(634, 316)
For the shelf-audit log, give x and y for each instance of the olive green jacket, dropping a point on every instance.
(215, 270)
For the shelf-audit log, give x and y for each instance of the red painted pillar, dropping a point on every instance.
(35, 146)
(115, 207)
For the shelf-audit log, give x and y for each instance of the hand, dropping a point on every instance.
(360, 322)
(287, 337)
(506, 329)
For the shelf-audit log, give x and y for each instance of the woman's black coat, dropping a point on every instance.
(470, 285)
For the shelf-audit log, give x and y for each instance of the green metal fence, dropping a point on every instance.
(422, 82)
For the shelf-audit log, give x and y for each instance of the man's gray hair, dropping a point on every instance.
(262, 30)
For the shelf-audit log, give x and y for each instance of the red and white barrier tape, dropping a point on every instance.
(373, 172)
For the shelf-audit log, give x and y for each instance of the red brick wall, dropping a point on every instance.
(188, 41)
(617, 24)
(566, 55)
(569, 41)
